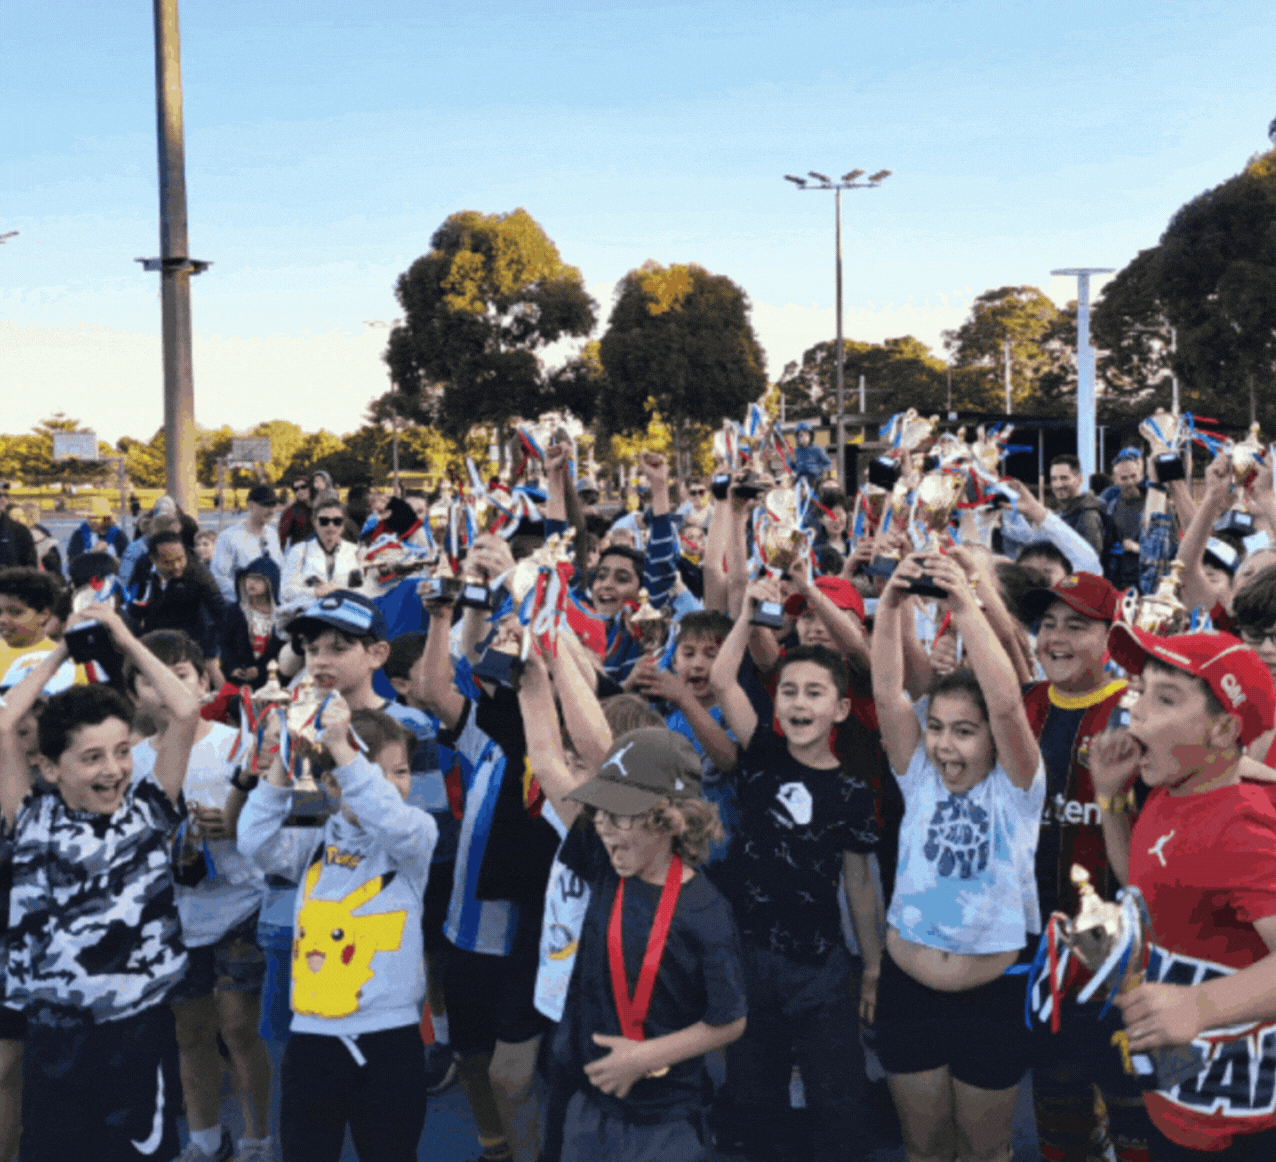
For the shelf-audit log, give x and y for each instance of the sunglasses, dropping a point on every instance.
(330, 520)
(301, 488)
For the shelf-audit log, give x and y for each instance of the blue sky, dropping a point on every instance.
(326, 142)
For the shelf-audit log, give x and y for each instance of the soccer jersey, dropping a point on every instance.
(93, 927)
(1206, 865)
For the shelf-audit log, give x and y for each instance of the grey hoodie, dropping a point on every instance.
(357, 963)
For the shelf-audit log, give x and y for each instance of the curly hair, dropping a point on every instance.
(692, 823)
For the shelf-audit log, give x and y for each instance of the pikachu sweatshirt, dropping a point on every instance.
(357, 962)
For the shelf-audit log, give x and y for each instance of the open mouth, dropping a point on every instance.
(800, 721)
(314, 961)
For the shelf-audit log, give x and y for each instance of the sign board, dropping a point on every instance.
(244, 453)
(75, 446)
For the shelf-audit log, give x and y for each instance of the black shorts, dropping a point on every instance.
(232, 964)
(13, 1024)
(979, 1034)
(101, 1093)
(490, 998)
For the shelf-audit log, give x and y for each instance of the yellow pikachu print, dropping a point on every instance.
(332, 950)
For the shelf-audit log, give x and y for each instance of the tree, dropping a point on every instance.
(578, 386)
(144, 462)
(898, 374)
(490, 294)
(1041, 364)
(679, 343)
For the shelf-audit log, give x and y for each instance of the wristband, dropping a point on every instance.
(1113, 804)
(249, 783)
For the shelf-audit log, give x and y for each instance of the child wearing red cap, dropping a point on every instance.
(1203, 854)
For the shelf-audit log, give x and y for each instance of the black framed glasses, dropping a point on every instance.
(619, 822)
(1256, 637)
(330, 520)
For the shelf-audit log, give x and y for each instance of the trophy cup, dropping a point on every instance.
(894, 513)
(649, 626)
(1246, 459)
(905, 432)
(1161, 612)
(1111, 940)
(441, 585)
(1161, 429)
(300, 708)
(938, 496)
(781, 542)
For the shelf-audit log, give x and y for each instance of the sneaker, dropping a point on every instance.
(440, 1069)
(224, 1152)
(256, 1150)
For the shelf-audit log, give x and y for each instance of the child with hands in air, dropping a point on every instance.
(950, 1026)
(355, 1057)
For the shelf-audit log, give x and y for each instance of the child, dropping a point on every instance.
(27, 597)
(248, 642)
(804, 823)
(355, 1057)
(220, 995)
(1203, 853)
(205, 543)
(94, 940)
(809, 461)
(639, 1033)
(950, 1027)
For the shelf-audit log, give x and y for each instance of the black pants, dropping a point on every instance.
(323, 1089)
(808, 1014)
(104, 1093)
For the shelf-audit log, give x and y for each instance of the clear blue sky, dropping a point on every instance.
(326, 142)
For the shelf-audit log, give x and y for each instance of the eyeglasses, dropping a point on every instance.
(619, 822)
(329, 520)
(1256, 638)
(696, 491)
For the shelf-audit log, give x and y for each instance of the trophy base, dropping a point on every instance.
(883, 567)
(769, 614)
(720, 486)
(475, 595)
(1169, 466)
(439, 589)
(924, 586)
(499, 668)
(883, 471)
(1235, 521)
(89, 641)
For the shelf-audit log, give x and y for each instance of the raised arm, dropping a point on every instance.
(545, 743)
(724, 679)
(583, 716)
(660, 570)
(900, 729)
(15, 770)
(715, 551)
(1196, 589)
(440, 694)
(1078, 550)
(1016, 745)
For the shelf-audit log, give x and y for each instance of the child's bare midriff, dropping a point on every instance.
(949, 972)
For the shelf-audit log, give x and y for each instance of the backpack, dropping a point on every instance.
(1111, 539)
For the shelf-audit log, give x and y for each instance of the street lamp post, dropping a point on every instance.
(1085, 367)
(848, 181)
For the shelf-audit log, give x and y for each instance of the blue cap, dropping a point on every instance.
(803, 427)
(1127, 454)
(351, 613)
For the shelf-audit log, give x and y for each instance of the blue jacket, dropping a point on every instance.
(811, 462)
(86, 537)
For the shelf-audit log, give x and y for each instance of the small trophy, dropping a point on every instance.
(501, 663)
(300, 708)
(906, 432)
(649, 626)
(1111, 940)
(1161, 612)
(938, 496)
(1246, 458)
(781, 542)
(441, 585)
(1162, 429)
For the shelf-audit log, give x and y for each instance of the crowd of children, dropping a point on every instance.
(575, 880)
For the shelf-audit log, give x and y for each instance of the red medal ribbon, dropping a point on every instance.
(633, 1011)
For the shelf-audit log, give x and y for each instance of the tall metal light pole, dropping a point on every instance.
(1085, 367)
(174, 264)
(848, 181)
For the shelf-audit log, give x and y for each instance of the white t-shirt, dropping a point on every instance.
(234, 888)
(965, 881)
(566, 901)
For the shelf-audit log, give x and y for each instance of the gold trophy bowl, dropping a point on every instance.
(649, 625)
(1246, 460)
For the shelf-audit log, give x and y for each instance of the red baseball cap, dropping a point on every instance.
(1089, 594)
(1235, 673)
(840, 592)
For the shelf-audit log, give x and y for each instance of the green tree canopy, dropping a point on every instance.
(490, 294)
(1042, 352)
(679, 343)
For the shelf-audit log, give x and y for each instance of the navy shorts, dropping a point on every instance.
(490, 998)
(234, 964)
(979, 1034)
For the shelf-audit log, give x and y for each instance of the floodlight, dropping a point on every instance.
(850, 177)
(788, 177)
(819, 177)
(879, 176)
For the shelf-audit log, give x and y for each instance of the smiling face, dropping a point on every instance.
(94, 771)
(328, 523)
(1071, 648)
(1127, 475)
(616, 582)
(959, 741)
(1064, 483)
(808, 704)
(20, 625)
(1178, 729)
(692, 661)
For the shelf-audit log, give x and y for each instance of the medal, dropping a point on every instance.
(632, 1011)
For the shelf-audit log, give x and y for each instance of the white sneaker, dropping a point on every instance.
(224, 1152)
(256, 1150)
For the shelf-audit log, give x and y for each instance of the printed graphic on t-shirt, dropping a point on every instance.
(333, 949)
(957, 838)
(797, 801)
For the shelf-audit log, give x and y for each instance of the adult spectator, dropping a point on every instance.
(246, 541)
(100, 535)
(17, 546)
(1126, 510)
(178, 593)
(47, 551)
(294, 521)
(1081, 511)
(1030, 525)
(323, 562)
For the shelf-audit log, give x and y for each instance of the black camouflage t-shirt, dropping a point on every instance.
(782, 872)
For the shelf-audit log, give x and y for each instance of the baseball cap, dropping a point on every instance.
(1221, 555)
(1234, 672)
(351, 613)
(1089, 594)
(263, 494)
(839, 591)
(643, 769)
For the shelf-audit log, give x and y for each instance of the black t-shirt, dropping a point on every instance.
(1058, 736)
(699, 980)
(781, 874)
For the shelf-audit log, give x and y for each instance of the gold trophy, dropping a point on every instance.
(937, 498)
(1161, 612)
(1169, 431)
(907, 432)
(1246, 458)
(781, 542)
(1111, 939)
(441, 585)
(300, 708)
(649, 626)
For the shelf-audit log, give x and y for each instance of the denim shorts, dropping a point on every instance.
(233, 964)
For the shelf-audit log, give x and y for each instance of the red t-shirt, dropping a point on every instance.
(1206, 864)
